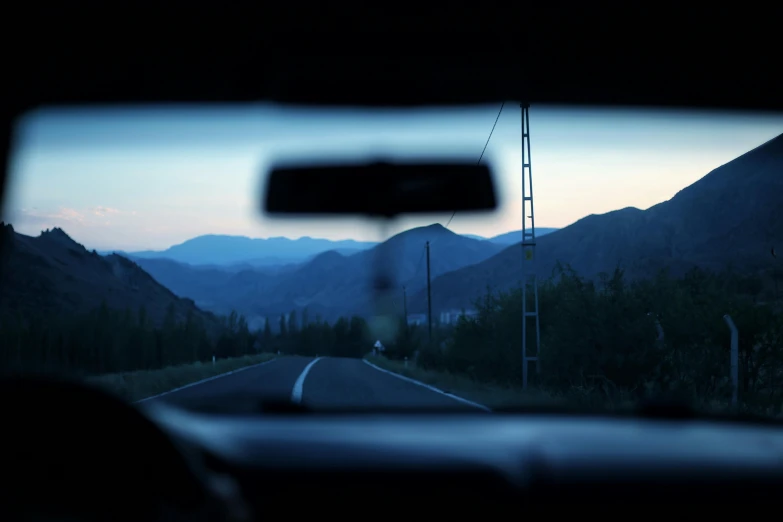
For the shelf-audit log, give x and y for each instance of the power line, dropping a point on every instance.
(482, 152)
(424, 250)
(418, 265)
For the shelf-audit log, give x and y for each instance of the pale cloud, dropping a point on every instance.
(102, 211)
(106, 211)
(33, 220)
(68, 215)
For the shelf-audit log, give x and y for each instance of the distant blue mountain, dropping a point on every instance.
(332, 283)
(230, 250)
(241, 253)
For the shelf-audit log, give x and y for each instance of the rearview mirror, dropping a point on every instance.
(380, 189)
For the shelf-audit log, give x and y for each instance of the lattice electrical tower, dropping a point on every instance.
(529, 276)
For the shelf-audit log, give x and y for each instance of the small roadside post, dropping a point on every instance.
(734, 358)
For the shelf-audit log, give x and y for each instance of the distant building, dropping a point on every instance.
(417, 319)
(445, 317)
(452, 316)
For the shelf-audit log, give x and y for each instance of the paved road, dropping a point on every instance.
(325, 382)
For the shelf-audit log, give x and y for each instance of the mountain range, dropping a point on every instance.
(331, 284)
(236, 253)
(52, 273)
(730, 217)
(237, 250)
(733, 216)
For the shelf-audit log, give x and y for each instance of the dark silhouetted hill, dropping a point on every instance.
(731, 217)
(53, 274)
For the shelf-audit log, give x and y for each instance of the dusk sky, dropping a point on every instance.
(148, 179)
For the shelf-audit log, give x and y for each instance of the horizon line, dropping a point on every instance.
(112, 250)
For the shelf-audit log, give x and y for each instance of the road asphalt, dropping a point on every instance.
(320, 383)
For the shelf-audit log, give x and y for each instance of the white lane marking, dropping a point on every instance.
(431, 388)
(206, 380)
(296, 394)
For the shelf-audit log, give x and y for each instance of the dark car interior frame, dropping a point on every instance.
(709, 59)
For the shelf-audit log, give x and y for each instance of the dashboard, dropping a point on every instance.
(100, 451)
(480, 460)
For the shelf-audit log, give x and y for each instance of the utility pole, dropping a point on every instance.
(429, 294)
(405, 304)
(528, 249)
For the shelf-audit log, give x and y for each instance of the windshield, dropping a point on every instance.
(136, 256)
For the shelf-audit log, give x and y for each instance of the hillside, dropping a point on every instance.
(515, 236)
(509, 238)
(232, 268)
(213, 287)
(333, 284)
(228, 250)
(197, 283)
(52, 274)
(729, 217)
(330, 284)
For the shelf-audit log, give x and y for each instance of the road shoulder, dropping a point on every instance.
(145, 385)
(426, 386)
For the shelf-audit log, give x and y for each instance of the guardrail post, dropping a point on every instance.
(734, 358)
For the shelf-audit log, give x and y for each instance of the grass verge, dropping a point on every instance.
(134, 386)
(491, 396)
(496, 397)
